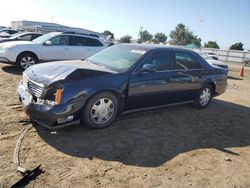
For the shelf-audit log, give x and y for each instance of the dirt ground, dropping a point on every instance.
(172, 147)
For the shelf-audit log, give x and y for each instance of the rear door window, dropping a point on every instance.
(84, 41)
(93, 42)
(186, 60)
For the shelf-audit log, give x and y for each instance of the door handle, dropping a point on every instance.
(67, 49)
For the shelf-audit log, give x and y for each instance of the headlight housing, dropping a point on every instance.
(5, 49)
(54, 95)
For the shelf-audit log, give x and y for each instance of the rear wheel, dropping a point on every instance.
(101, 110)
(25, 60)
(204, 97)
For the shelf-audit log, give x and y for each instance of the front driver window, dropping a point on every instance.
(25, 37)
(60, 40)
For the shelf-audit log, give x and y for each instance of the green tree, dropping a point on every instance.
(125, 39)
(211, 44)
(108, 33)
(160, 37)
(237, 46)
(144, 36)
(182, 36)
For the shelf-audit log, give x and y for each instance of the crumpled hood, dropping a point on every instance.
(47, 73)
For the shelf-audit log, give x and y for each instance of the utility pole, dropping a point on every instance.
(140, 30)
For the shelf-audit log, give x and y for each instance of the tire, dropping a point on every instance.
(100, 111)
(25, 60)
(203, 97)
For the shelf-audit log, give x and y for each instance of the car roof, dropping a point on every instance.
(25, 33)
(55, 33)
(150, 47)
(6, 29)
(31, 33)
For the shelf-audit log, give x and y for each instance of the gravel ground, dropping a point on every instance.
(171, 147)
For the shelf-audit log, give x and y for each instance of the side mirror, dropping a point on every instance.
(148, 68)
(18, 38)
(48, 43)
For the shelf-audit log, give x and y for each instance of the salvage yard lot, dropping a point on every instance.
(171, 147)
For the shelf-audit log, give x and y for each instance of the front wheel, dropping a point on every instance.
(101, 110)
(25, 60)
(204, 97)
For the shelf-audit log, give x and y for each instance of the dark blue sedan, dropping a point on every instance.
(122, 78)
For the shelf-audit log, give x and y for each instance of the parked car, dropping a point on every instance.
(122, 78)
(212, 61)
(213, 55)
(6, 32)
(26, 36)
(50, 47)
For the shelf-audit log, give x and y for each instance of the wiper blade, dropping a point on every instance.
(94, 62)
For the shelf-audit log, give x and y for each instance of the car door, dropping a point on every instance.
(148, 89)
(82, 47)
(56, 48)
(189, 74)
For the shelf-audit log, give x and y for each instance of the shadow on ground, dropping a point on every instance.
(234, 78)
(12, 69)
(151, 138)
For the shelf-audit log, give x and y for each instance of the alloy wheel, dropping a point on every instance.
(205, 96)
(27, 61)
(102, 111)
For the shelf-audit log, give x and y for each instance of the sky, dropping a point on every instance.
(224, 21)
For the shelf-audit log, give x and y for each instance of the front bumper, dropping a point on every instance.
(4, 60)
(5, 57)
(47, 115)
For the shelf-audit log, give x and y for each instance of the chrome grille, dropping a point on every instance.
(35, 89)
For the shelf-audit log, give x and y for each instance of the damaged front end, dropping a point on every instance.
(43, 103)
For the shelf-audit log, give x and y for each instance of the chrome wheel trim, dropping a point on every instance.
(102, 111)
(27, 61)
(205, 96)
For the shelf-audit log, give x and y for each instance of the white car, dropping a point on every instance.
(213, 56)
(51, 47)
(212, 61)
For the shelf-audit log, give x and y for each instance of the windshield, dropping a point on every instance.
(43, 38)
(118, 58)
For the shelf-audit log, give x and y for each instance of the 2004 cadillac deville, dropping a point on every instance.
(122, 78)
